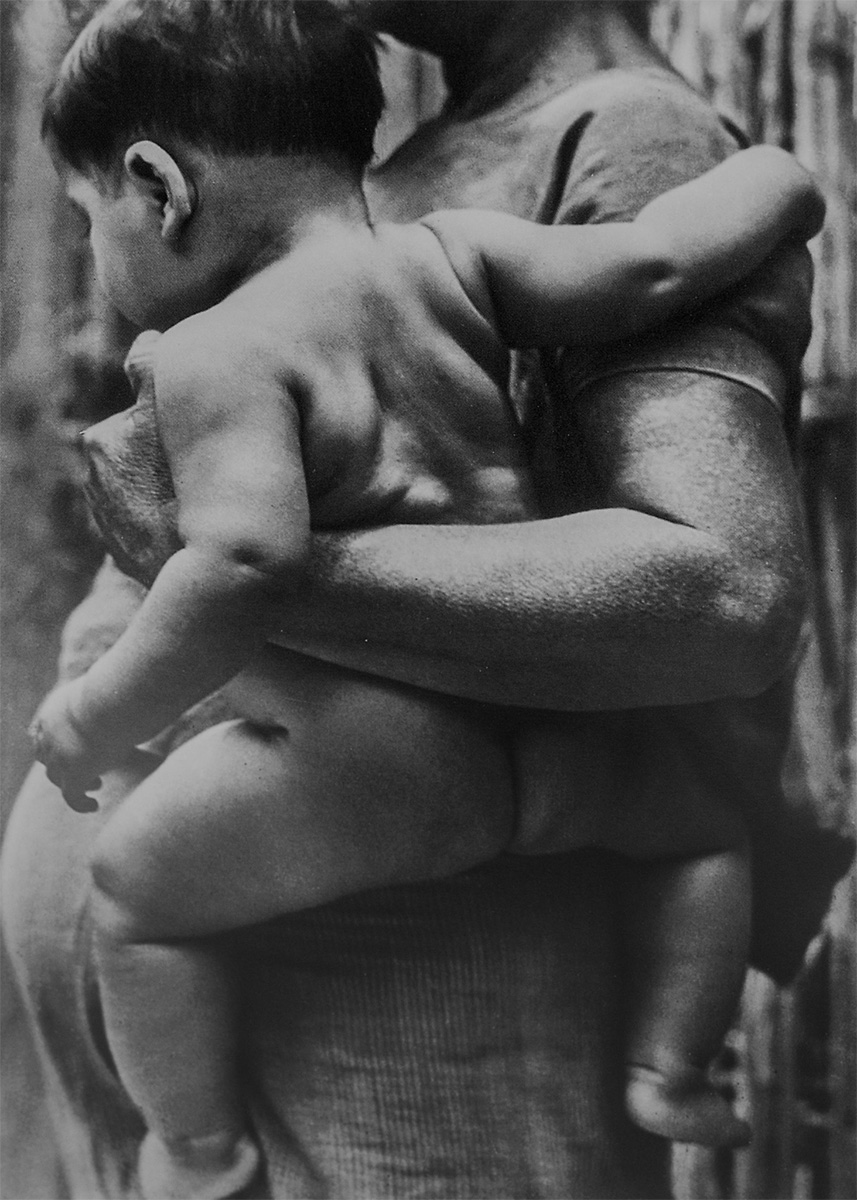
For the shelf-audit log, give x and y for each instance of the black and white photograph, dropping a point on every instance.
(427, 675)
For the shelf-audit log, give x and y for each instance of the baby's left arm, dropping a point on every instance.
(557, 285)
(232, 439)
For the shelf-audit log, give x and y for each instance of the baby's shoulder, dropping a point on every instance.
(215, 349)
(439, 260)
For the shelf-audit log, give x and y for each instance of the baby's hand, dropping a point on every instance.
(59, 744)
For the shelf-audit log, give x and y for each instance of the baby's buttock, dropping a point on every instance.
(482, 778)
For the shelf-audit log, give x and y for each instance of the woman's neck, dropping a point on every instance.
(528, 51)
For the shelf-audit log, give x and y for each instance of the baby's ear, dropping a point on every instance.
(154, 172)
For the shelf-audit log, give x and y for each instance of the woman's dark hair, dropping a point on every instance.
(234, 76)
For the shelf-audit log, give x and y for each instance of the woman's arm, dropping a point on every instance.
(597, 283)
(688, 586)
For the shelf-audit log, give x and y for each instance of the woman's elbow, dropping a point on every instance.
(659, 280)
(761, 612)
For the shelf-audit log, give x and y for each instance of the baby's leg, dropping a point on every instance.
(242, 824)
(689, 927)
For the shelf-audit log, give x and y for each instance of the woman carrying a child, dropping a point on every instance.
(604, 580)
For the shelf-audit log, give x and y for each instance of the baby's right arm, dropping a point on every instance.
(231, 434)
(556, 285)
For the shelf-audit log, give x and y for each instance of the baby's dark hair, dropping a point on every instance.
(230, 76)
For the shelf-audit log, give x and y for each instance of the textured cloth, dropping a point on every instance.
(460, 1039)
(419, 1042)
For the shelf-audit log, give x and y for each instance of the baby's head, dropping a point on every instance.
(155, 96)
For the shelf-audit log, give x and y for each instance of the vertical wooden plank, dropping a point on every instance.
(47, 553)
(825, 141)
(45, 566)
(784, 70)
(843, 1069)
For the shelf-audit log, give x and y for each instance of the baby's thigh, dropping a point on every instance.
(245, 822)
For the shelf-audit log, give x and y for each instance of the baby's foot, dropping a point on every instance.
(204, 1168)
(683, 1107)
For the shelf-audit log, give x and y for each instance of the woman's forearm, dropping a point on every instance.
(604, 609)
(689, 587)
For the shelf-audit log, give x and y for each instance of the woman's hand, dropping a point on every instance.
(72, 761)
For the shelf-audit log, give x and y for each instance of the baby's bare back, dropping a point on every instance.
(400, 380)
(399, 377)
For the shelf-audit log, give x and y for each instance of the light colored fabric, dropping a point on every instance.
(698, 351)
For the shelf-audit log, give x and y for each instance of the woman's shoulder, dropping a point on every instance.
(648, 95)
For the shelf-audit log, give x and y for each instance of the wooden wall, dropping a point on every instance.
(784, 69)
